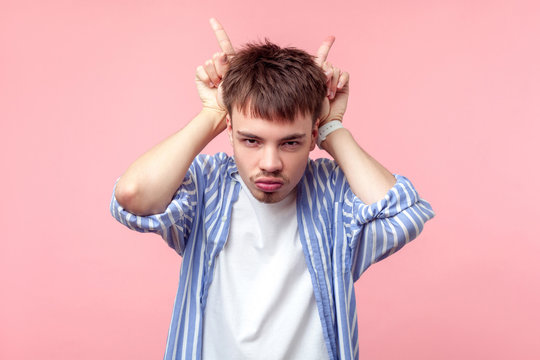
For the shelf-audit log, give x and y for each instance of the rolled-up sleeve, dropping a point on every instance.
(378, 230)
(174, 224)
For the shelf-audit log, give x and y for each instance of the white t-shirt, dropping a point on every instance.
(261, 304)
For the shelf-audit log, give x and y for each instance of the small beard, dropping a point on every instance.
(268, 198)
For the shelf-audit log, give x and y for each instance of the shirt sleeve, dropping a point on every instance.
(174, 224)
(378, 230)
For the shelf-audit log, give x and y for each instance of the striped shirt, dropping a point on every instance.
(340, 235)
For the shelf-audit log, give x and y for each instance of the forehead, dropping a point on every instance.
(245, 122)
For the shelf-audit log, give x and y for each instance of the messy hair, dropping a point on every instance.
(274, 83)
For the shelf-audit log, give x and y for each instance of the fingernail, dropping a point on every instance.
(331, 94)
(212, 84)
(340, 85)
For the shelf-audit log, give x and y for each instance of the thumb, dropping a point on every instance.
(220, 102)
(325, 111)
(222, 64)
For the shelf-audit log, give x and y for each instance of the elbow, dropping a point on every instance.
(125, 194)
(129, 196)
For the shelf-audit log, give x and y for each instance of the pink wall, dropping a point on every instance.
(446, 93)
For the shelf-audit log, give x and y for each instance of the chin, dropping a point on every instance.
(267, 197)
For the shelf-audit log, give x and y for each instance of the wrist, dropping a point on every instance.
(214, 113)
(335, 140)
(214, 118)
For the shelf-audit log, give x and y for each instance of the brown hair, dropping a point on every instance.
(274, 83)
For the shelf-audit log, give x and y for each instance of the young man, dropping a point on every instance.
(271, 241)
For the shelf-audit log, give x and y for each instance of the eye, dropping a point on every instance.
(291, 145)
(250, 142)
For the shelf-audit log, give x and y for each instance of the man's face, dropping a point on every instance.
(271, 156)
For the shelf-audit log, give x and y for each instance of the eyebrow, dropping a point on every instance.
(296, 136)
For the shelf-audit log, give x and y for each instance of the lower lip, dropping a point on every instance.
(268, 187)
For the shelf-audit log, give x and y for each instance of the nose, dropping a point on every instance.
(270, 160)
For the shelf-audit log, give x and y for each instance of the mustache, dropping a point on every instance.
(274, 174)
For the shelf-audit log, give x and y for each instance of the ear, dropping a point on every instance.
(229, 127)
(314, 135)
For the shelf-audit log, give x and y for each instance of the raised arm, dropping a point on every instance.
(369, 180)
(150, 182)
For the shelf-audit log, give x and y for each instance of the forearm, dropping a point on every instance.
(368, 179)
(150, 182)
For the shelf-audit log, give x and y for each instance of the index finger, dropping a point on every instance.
(223, 40)
(323, 51)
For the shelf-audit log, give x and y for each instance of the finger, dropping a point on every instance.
(211, 71)
(221, 62)
(343, 80)
(222, 37)
(334, 82)
(201, 75)
(323, 51)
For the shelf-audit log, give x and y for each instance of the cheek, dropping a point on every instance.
(245, 159)
(297, 165)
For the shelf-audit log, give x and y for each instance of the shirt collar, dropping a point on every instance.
(231, 168)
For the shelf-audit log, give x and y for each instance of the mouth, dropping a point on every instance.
(268, 184)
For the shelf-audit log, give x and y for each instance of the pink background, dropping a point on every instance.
(446, 93)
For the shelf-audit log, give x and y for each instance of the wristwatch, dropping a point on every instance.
(326, 130)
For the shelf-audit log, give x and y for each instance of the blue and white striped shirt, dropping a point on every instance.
(341, 237)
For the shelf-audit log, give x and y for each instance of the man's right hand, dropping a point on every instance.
(209, 75)
(150, 182)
